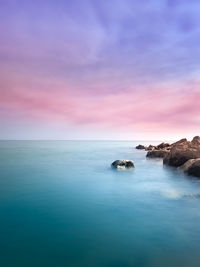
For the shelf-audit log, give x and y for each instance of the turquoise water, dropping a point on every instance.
(62, 205)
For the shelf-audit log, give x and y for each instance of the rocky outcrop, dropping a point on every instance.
(182, 151)
(165, 146)
(123, 164)
(157, 153)
(140, 147)
(183, 154)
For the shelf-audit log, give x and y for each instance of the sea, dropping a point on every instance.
(62, 205)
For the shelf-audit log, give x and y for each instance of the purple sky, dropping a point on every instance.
(99, 69)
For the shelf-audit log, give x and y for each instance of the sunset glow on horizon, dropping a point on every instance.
(91, 69)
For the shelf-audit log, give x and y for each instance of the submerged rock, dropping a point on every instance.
(123, 164)
(182, 151)
(157, 153)
(140, 147)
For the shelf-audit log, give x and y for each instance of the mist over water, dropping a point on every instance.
(62, 205)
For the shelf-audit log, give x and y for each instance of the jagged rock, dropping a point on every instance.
(183, 140)
(123, 164)
(160, 146)
(150, 147)
(182, 151)
(140, 147)
(157, 153)
(196, 140)
(163, 146)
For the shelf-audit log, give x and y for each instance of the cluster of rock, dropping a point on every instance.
(159, 151)
(183, 154)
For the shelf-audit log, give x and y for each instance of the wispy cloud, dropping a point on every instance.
(122, 64)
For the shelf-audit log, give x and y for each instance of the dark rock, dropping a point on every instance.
(182, 151)
(157, 153)
(196, 140)
(140, 147)
(150, 147)
(186, 165)
(194, 168)
(183, 140)
(163, 145)
(123, 164)
(158, 147)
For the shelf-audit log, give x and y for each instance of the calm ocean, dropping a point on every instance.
(62, 205)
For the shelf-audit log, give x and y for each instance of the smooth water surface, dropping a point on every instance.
(62, 205)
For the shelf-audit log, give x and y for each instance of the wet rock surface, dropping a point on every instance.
(123, 164)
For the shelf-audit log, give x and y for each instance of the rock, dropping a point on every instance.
(186, 165)
(140, 147)
(182, 151)
(163, 145)
(160, 146)
(196, 140)
(123, 164)
(150, 147)
(183, 140)
(194, 168)
(157, 153)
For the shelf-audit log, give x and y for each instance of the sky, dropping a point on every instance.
(96, 69)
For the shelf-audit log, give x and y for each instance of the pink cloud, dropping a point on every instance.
(164, 107)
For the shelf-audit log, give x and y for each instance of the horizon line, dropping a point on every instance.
(95, 140)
